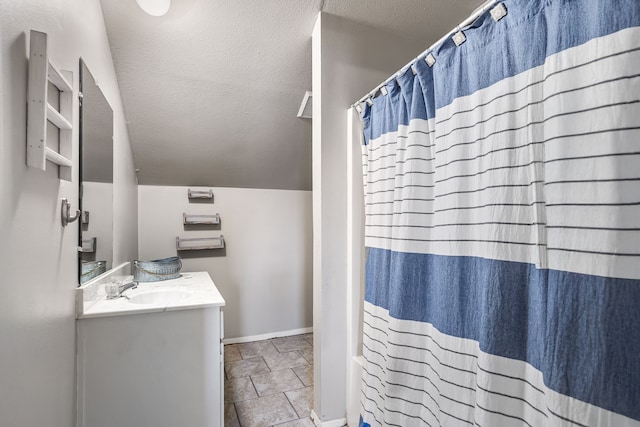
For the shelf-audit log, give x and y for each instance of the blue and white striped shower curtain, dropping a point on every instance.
(502, 193)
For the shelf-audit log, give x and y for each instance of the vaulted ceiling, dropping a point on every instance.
(212, 88)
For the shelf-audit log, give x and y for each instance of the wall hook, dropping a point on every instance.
(65, 213)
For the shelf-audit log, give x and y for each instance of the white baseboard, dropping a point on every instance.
(240, 340)
(340, 422)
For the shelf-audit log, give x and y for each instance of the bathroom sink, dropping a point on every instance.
(160, 296)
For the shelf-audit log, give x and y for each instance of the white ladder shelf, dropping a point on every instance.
(39, 111)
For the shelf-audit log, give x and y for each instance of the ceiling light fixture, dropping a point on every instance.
(154, 7)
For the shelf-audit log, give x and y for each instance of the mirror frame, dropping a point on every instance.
(105, 176)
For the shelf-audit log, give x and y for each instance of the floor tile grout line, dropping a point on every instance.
(302, 384)
(254, 387)
(308, 361)
(301, 380)
(291, 403)
(228, 377)
(237, 415)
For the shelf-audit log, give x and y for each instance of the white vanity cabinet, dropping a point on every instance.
(156, 366)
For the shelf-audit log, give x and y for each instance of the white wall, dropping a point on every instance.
(38, 258)
(264, 273)
(349, 59)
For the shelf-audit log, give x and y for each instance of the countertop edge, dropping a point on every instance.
(149, 310)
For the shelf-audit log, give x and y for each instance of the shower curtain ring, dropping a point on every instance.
(459, 37)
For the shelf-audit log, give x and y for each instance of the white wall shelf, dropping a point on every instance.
(89, 245)
(198, 244)
(40, 111)
(200, 194)
(189, 219)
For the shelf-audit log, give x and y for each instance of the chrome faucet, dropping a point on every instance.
(115, 290)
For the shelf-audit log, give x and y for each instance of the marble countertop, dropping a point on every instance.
(196, 290)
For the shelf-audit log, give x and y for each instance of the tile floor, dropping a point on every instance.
(269, 383)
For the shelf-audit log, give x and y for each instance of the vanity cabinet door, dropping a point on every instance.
(161, 369)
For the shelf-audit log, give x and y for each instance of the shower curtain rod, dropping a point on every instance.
(464, 23)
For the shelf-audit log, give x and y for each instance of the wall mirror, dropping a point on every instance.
(96, 179)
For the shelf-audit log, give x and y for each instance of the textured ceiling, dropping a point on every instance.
(211, 90)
